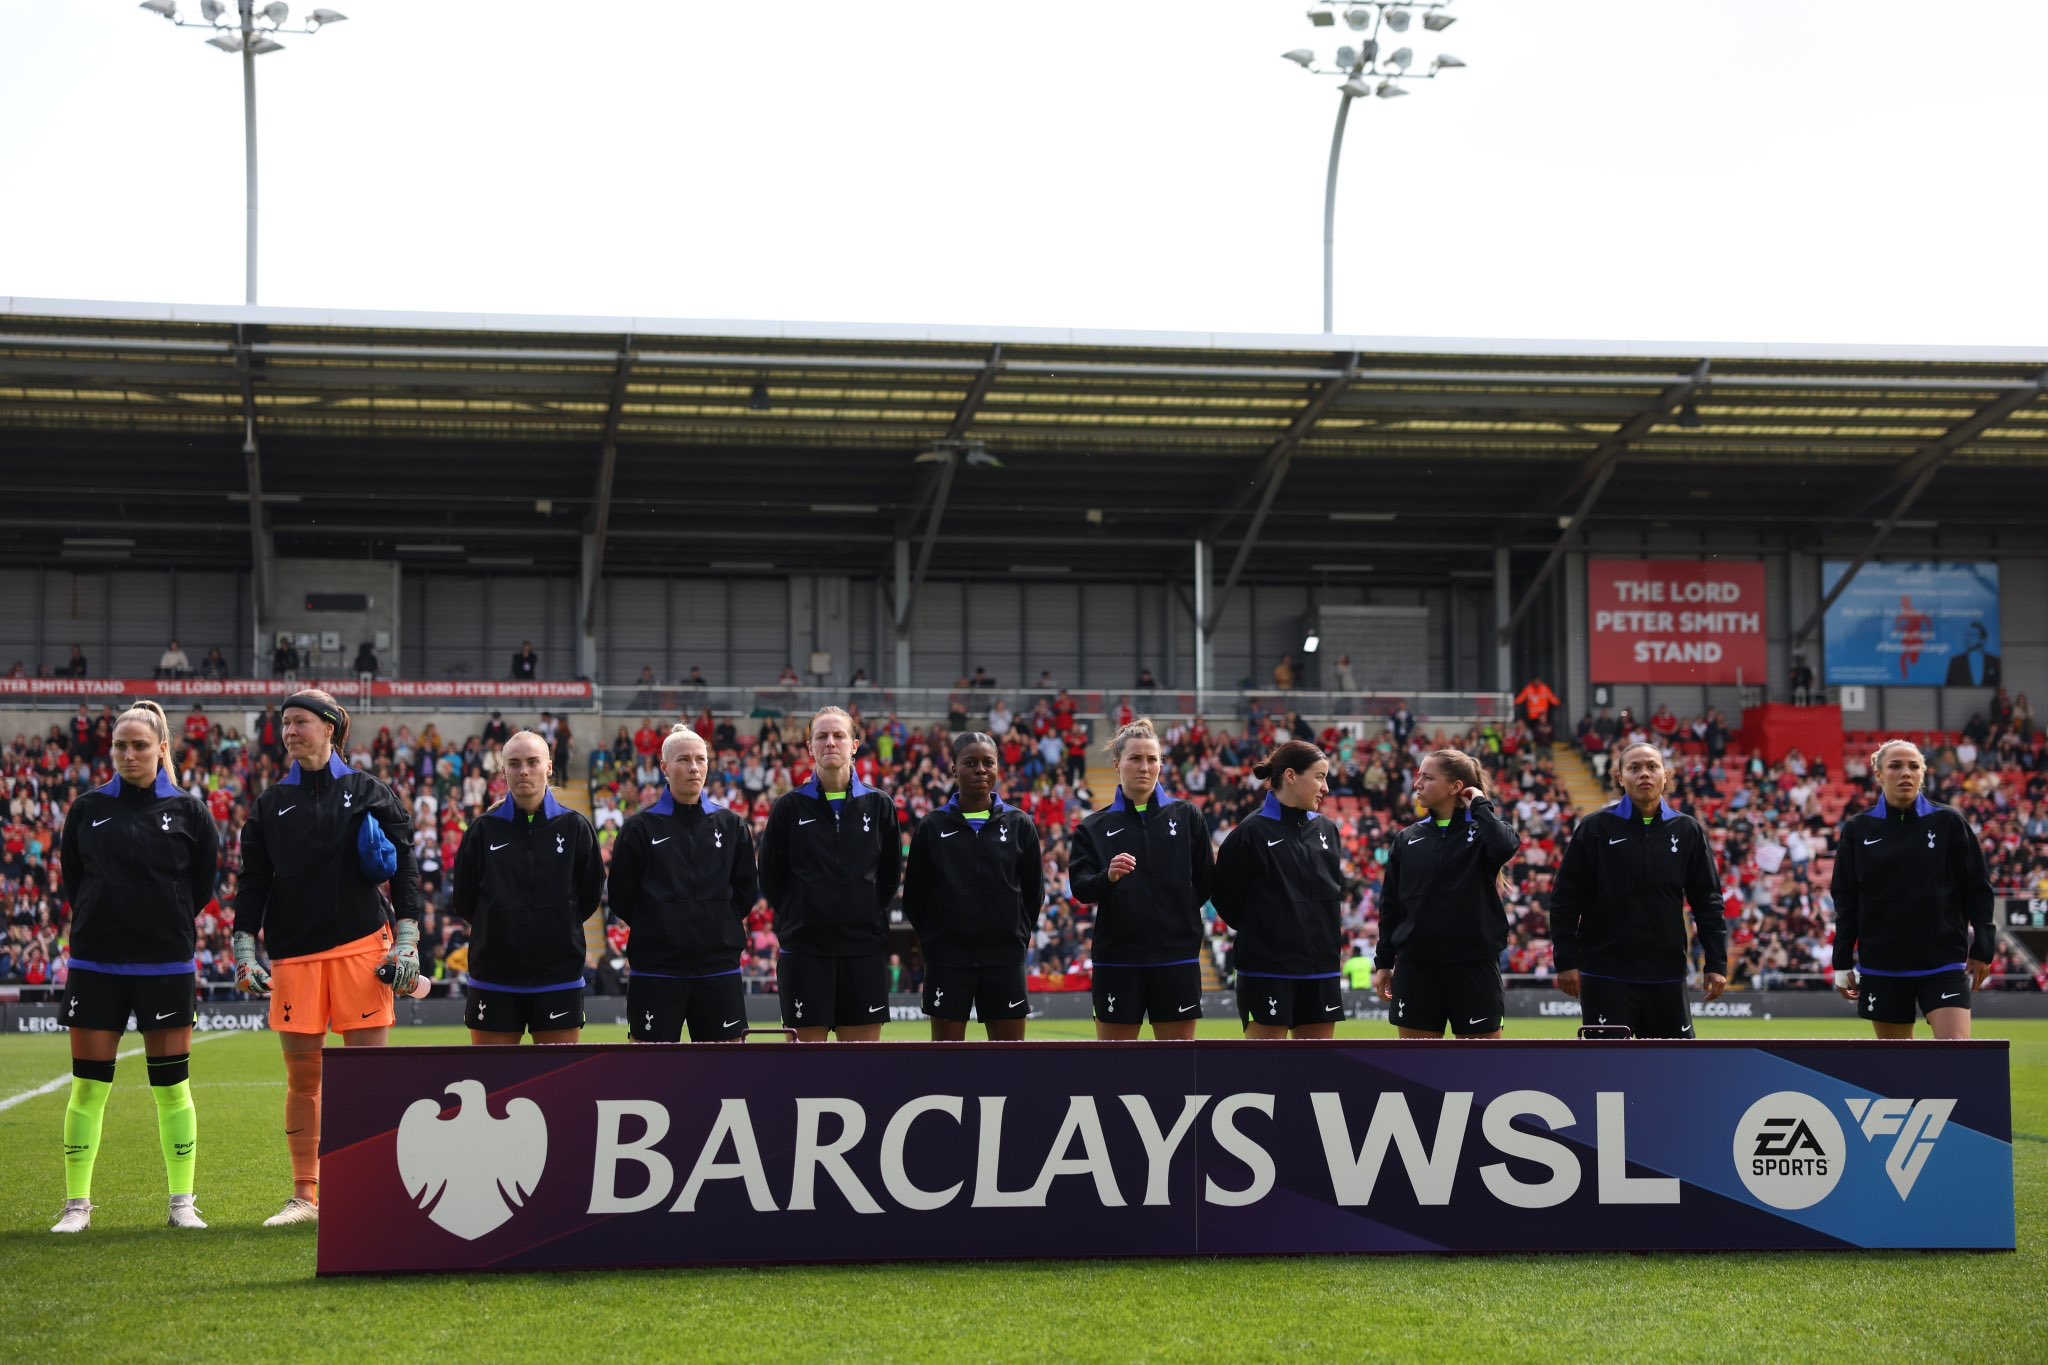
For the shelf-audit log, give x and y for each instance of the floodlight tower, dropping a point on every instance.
(1366, 71)
(241, 34)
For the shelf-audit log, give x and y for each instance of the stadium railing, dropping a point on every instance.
(1429, 709)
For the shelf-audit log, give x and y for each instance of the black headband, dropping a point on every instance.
(306, 701)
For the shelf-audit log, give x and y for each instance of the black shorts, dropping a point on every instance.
(1465, 995)
(1288, 1001)
(106, 999)
(990, 992)
(1897, 999)
(489, 1010)
(835, 992)
(1649, 1009)
(1164, 994)
(657, 1008)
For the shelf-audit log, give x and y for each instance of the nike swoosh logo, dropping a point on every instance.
(812, 821)
(496, 847)
(1113, 833)
(1950, 996)
(664, 838)
(1185, 1008)
(1331, 1009)
(1868, 842)
(1413, 842)
(288, 810)
(367, 1013)
(558, 1014)
(1015, 1003)
(1622, 840)
(876, 1009)
(729, 1023)
(1480, 1020)
(168, 1013)
(949, 834)
(1271, 842)
(97, 823)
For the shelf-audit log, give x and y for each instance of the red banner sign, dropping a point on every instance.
(1675, 620)
(277, 689)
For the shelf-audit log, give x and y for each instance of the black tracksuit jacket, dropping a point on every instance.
(526, 885)
(683, 880)
(302, 884)
(138, 865)
(1617, 906)
(974, 896)
(831, 869)
(1153, 914)
(1440, 898)
(1280, 884)
(1912, 892)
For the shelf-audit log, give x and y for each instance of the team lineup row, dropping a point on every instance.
(1912, 892)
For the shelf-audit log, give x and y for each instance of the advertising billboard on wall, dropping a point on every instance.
(1675, 621)
(1913, 625)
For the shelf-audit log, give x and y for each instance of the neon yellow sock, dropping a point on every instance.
(82, 1115)
(177, 1128)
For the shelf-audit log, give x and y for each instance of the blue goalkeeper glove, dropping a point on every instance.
(375, 853)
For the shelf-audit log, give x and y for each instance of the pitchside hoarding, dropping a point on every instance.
(1675, 621)
(1913, 625)
(594, 1156)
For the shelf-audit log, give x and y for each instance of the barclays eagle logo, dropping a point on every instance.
(469, 1172)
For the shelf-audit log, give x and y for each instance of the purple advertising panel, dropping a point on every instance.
(531, 1158)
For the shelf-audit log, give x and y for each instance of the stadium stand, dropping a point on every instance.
(1772, 824)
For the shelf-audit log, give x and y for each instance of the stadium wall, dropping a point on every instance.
(463, 623)
(1792, 590)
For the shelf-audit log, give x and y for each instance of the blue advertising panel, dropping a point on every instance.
(1913, 625)
(536, 1158)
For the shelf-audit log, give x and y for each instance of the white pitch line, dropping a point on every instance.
(51, 1087)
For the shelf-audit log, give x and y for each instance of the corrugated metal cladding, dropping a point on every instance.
(697, 630)
(1052, 629)
(19, 592)
(1109, 634)
(760, 629)
(636, 627)
(995, 622)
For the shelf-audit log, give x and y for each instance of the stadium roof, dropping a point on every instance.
(743, 445)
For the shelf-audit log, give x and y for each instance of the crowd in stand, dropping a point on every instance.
(1772, 825)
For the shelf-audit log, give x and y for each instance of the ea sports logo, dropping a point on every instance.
(468, 1172)
(1789, 1150)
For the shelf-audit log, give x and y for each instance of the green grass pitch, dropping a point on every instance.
(130, 1289)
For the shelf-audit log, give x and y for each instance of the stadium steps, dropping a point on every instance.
(574, 793)
(1587, 794)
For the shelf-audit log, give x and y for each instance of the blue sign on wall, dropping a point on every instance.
(1913, 625)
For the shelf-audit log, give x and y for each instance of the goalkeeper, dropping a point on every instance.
(314, 852)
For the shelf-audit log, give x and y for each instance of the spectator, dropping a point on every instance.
(174, 662)
(497, 731)
(198, 730)
(525, 663)
(859, 682)
(215, 665)
(366, 659)
(696, 681)
(1536, 699)
(1146, 682)
(982, 678)
(1802, 681)
(284, 660)
(1343, 678)
(788, 677)
(82, 733)
(75, 666)
(1283, 673)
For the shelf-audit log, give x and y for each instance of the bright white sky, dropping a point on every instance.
(1798, 170)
